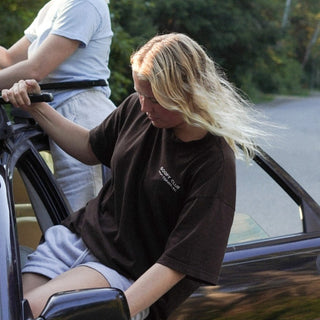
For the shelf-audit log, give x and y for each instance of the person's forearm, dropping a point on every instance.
(16, 53)
(4, 58)
(20, 71)
(71, 137)
(152, 285)
(52, 52)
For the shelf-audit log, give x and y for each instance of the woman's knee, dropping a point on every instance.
(81, 277)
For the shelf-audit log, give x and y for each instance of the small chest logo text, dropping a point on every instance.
(167, 178)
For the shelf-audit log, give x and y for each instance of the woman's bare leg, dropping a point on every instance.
(32, 280)
(77, 278)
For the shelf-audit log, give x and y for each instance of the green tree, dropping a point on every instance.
(132, 27)
(304, 33)
(248, 39)
(237, 34)
(15, 16)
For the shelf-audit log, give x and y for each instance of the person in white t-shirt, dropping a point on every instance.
(69, 40)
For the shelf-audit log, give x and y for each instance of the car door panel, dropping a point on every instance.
(276, 283)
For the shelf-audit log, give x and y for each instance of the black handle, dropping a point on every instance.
(74, 84)
(43, 97)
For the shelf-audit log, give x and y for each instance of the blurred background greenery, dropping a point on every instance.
(266, 47)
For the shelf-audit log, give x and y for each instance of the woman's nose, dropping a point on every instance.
(146, 105)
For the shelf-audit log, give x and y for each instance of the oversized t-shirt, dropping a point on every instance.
(87, 21)
(168, 201)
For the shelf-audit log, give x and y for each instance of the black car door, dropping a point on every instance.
(271, 266)
(30, 203)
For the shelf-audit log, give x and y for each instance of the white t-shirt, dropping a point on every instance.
(87, 21)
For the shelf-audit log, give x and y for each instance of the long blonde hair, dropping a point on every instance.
(185, 79)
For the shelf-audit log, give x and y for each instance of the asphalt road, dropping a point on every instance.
(296, 147)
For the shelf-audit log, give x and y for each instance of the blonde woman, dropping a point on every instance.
(159, 228)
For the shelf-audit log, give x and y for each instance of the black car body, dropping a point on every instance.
(263, 276)
(30, 202)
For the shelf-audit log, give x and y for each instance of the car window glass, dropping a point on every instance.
(48, 159)
(263, 209)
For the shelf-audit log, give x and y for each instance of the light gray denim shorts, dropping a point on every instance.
(63, 250)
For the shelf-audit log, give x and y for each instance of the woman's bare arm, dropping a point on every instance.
(71, 137)
(152, 285)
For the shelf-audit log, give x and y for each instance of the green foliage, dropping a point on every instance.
(15, 16)
(132, 27)
(244, 37)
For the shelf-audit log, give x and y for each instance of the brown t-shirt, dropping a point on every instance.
(167, 201)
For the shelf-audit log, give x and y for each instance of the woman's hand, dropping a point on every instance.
(18, 94)
(71, 137)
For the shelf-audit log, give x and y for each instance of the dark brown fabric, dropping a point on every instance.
(168, 201)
